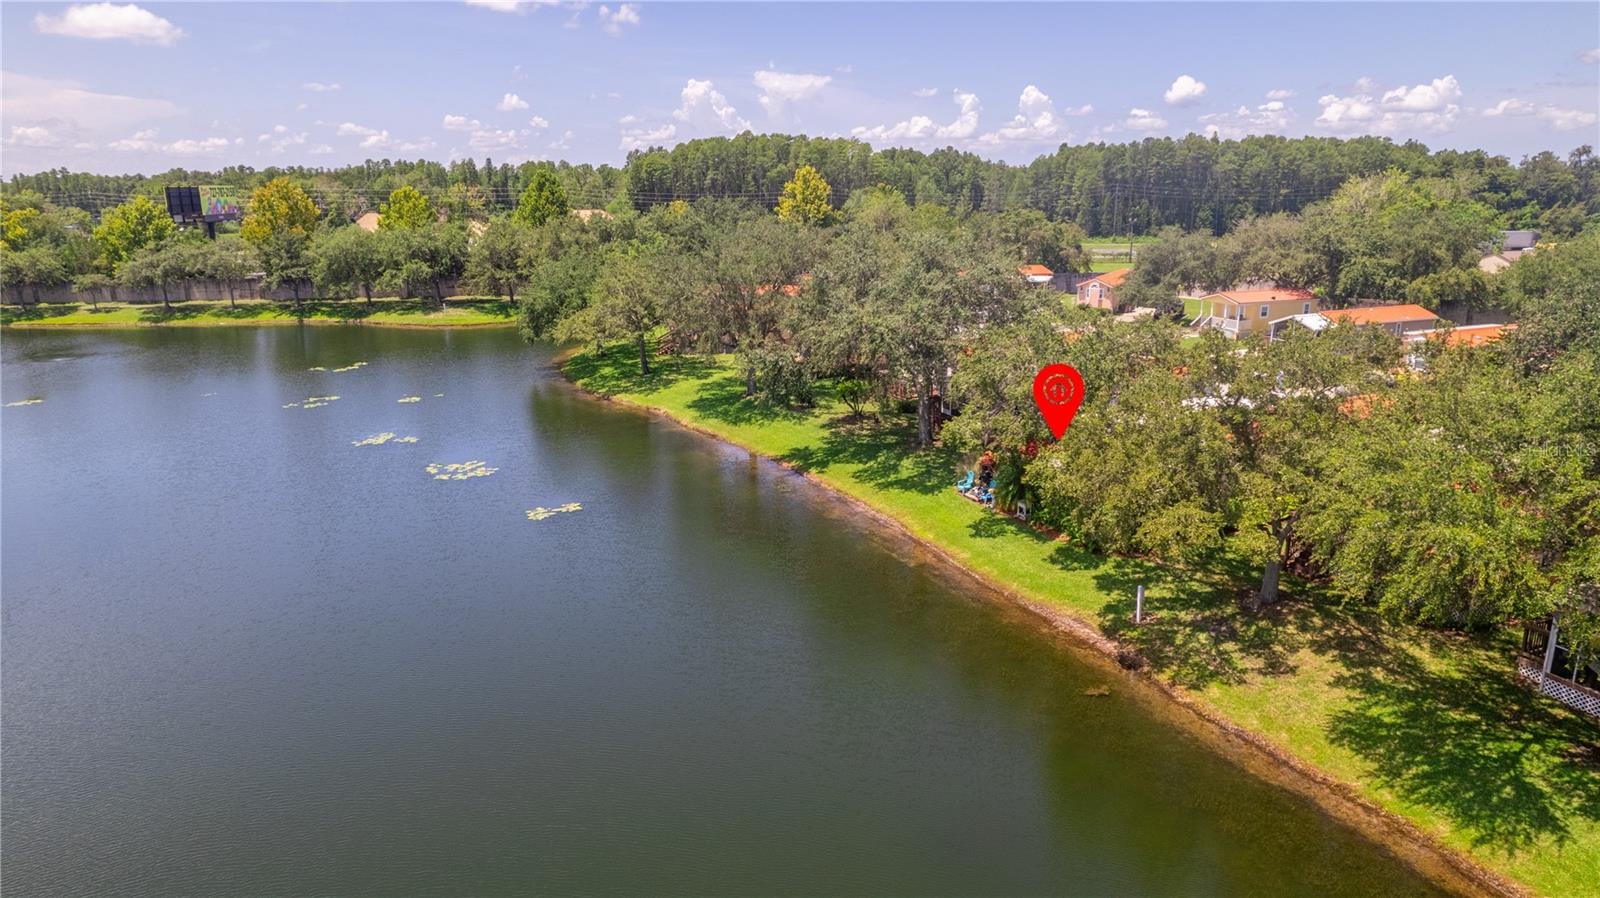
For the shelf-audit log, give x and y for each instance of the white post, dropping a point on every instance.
(1138, 608)
(1550, 646)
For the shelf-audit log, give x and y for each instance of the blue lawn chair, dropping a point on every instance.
(986, 497)
(966, 484)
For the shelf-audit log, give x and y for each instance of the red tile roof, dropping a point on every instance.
(1475, 335)
(1035, 271)
(1382, 314)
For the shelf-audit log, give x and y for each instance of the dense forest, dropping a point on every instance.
(1194, 183)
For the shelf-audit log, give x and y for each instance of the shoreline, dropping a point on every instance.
(1340, 800)
(464, 314)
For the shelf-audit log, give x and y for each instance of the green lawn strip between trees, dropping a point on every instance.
(1426, 724)
(389, 312)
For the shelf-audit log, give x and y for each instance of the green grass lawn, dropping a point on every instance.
(1429, 725)
(388, 312)
(1191, 310)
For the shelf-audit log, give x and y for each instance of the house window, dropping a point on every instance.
(1264, 311)
(1305, 308)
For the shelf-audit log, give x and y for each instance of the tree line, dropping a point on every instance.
(1193, 183)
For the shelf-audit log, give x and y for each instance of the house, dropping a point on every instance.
(1470, 335)
(1069, 281)
(585, 214)
(1240, 312)
(1399, 319)
(1100, 292)
(368, 222)
(1513, 246)
(1036, 274)
(1559, 670)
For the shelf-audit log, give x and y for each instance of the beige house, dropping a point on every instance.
(1101, 292)
(1240, 312)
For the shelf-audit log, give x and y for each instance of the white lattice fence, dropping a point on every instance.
(1570, 694)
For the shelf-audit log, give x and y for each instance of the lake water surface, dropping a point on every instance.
(243, 656)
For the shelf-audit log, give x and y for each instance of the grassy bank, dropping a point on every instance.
(385, 312)
(1429, 726)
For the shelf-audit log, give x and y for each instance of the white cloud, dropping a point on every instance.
(321, 149)
(1271, 117)
(640, 138)
(1590, 56)
(108, 21)
(1280, 94)
(371, 138)
(25, 99)
(564, 143)
(1366, 84)
(779, 88)
(460, 123)
(281, 138)
(705, 107)
(1438, 94)
(1036, 119)
(510, 6)
(511, 103)
(31, 136)
(1424, 107)
(321, 87)
(921, 127)
(539, 122)
(493, 139)
(925, 92)
(1556, 117)
(1143, 120)
(146, 142)
(612, 20)
(1184, 90)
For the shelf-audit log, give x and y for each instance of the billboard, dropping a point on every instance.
(219, 203)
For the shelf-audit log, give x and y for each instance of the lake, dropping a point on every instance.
(242, 655)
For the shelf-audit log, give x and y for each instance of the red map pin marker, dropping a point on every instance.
(1058, 391)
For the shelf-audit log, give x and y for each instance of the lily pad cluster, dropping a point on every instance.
(378, 439)
(460, 471)
(312, 402)
(540, 513)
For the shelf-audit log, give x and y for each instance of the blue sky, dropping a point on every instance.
(114, 87)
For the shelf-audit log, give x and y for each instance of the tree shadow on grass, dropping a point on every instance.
(615, 369)
(1463, 738)
(883, 455)
(723, 399)
(37, 312)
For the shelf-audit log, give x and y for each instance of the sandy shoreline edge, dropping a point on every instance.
(1254, 751)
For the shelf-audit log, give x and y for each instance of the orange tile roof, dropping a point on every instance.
(1475, 335)
(1112, 278)
(1035, 271)
(1382, 314)
(1249, 296)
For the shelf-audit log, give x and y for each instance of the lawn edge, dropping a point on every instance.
(1434, 859)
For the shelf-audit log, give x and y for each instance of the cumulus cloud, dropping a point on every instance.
(612, 20)
(1143, 120)
(780, 88)
(925, 92)
(538, 122)
(1185, 90)
(704, 106)
(281, 138)
(510, 103)
(921, 127)
(1280, 94)
(321, 149)
(1557, 117)
(493, 139)
(1424, 107)
(1271, 117)
(1036, 120)
(31, 136)
(565, 143)
(371, 138)
(1591, 56)
(321, 87)
(641, 138)
(460, 123)
(109, 21)
(146, 142)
